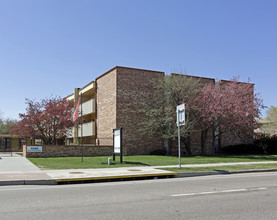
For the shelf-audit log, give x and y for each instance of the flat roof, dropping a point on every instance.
(9, 135)
(90, 83)
(122, 67)
(222, 80)
(193, 76)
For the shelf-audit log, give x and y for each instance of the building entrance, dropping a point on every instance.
(5, 146)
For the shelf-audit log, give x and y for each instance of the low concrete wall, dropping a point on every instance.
(69, 151)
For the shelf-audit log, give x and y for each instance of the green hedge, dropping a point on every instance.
(243, 149)
(265, 144)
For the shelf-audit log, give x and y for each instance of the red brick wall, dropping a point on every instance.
(69, 151)
(134, 86)
(231, 139)
(119, 95)
(106, 107)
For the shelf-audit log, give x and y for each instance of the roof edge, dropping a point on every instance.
(193, 76)
(123, 67)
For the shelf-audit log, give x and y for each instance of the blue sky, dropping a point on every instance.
(48, 47)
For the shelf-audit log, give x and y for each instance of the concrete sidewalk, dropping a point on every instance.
(20, 171)
(71, 175)
(106, 173)
(17, 170)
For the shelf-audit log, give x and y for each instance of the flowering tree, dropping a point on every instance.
(227, 106)
(160, 111)
(204, 109)
(47, 120)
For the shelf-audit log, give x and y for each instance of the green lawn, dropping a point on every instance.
(224, 168)
(128, 161)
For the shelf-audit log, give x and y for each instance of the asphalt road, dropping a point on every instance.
(240, 196)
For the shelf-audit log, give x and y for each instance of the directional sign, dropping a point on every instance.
(181, 117)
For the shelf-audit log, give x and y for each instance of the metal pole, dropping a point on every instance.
(179, 144)
(120, 145)
(113, 147)
(82, 130)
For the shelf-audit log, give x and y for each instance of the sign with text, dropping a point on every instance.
(34, 148)
(180, 110)
(117, 143)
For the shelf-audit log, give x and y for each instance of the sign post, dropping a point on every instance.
(180, 110)
(117, 143)
(82, 140)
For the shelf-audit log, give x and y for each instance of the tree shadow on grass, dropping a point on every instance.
(222, 171)
(129, 163)
(251, 157)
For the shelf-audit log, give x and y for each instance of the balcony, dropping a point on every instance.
(88, 129)
(70, 132)
(88, 107)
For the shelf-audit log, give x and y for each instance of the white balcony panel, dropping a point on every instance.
(88, 129)
(70, 98)
(87, 107)
(70, 132)
(88, 87)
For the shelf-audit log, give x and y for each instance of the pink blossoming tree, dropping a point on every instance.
(227, 106)
(47, 120)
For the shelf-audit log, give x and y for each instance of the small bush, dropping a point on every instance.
(272, 145)
(243, 149)
(269, 144)
(161, 152)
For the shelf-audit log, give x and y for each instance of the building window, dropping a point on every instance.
(21, 143)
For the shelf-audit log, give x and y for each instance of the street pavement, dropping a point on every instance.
(243, 196)
(17, 170)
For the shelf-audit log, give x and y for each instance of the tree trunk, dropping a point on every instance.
(203, 141)
(219, 142)
(215, 141)
(186, 142)
(167, 146)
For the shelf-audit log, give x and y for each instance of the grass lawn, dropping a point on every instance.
(146, 160)
(224, 168)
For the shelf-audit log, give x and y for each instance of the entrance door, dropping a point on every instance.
(5, 146)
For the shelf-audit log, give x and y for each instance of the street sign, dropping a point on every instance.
(181, 117)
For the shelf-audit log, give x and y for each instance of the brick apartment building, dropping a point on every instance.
(112, 101)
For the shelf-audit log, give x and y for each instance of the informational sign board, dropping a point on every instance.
(117, 143)
(34, 148)
(181, 117)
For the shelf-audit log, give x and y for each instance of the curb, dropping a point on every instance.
(116, 178)
(192, 174)
(27, 182)
(129, 177)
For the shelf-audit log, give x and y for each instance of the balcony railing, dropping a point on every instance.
(70, 132)
(88, 129)
(88, 107)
